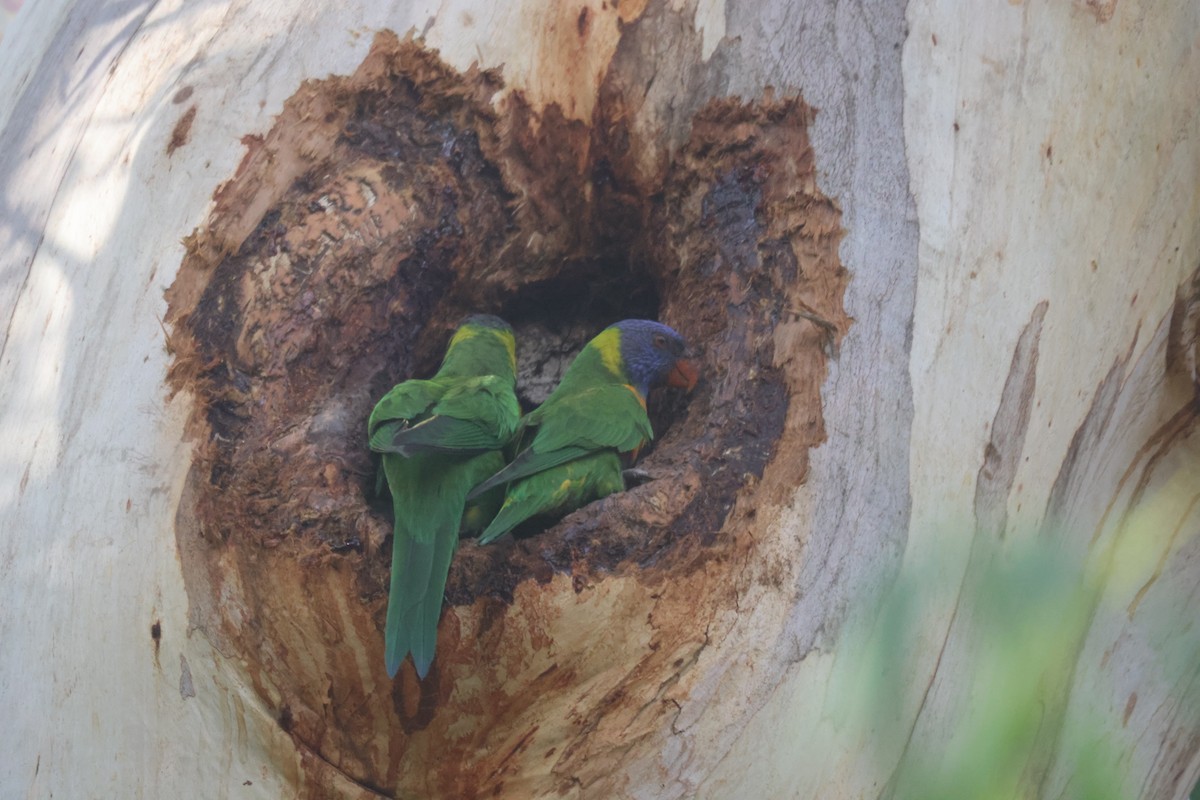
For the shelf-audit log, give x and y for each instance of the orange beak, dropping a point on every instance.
(684, 376)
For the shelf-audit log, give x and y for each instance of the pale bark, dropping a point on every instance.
(1020, 189)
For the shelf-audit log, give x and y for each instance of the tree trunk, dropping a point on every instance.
(928, 526)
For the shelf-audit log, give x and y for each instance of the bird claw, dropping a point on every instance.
(635, 476)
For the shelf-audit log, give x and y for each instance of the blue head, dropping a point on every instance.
(653, 354)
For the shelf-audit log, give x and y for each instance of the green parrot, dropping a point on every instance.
(596, 413)
(440, 437)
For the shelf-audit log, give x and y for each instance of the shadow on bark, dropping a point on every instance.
(380, 209)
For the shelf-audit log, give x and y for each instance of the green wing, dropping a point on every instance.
(433, 434)
(439, 438)
(605, 417)
(609, 415)
(406, 401)
(471, 414)
(487, 400)
(557, 490)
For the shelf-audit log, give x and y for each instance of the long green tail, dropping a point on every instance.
(428, 495)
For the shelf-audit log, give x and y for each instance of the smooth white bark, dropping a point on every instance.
(1051, 156)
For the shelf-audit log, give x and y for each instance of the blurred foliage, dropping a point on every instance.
(1019, 621)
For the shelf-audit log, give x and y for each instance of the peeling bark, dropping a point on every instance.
(999, 196)
(405, 202)
(994, 483)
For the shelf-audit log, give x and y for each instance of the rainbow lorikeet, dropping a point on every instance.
(597, 412)
(440, 437)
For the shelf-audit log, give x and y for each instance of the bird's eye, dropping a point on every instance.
(660, 341)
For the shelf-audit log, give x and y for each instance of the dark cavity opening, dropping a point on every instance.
(385, 206)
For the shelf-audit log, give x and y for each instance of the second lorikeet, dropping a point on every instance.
(440, 437)
(597, 412)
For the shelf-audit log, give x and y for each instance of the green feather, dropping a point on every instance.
(573, 440)
(428, 497)
(609, 415)
(437, 434)
(440, 437)
(557, 490)
(405, 401)
(570, 425)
